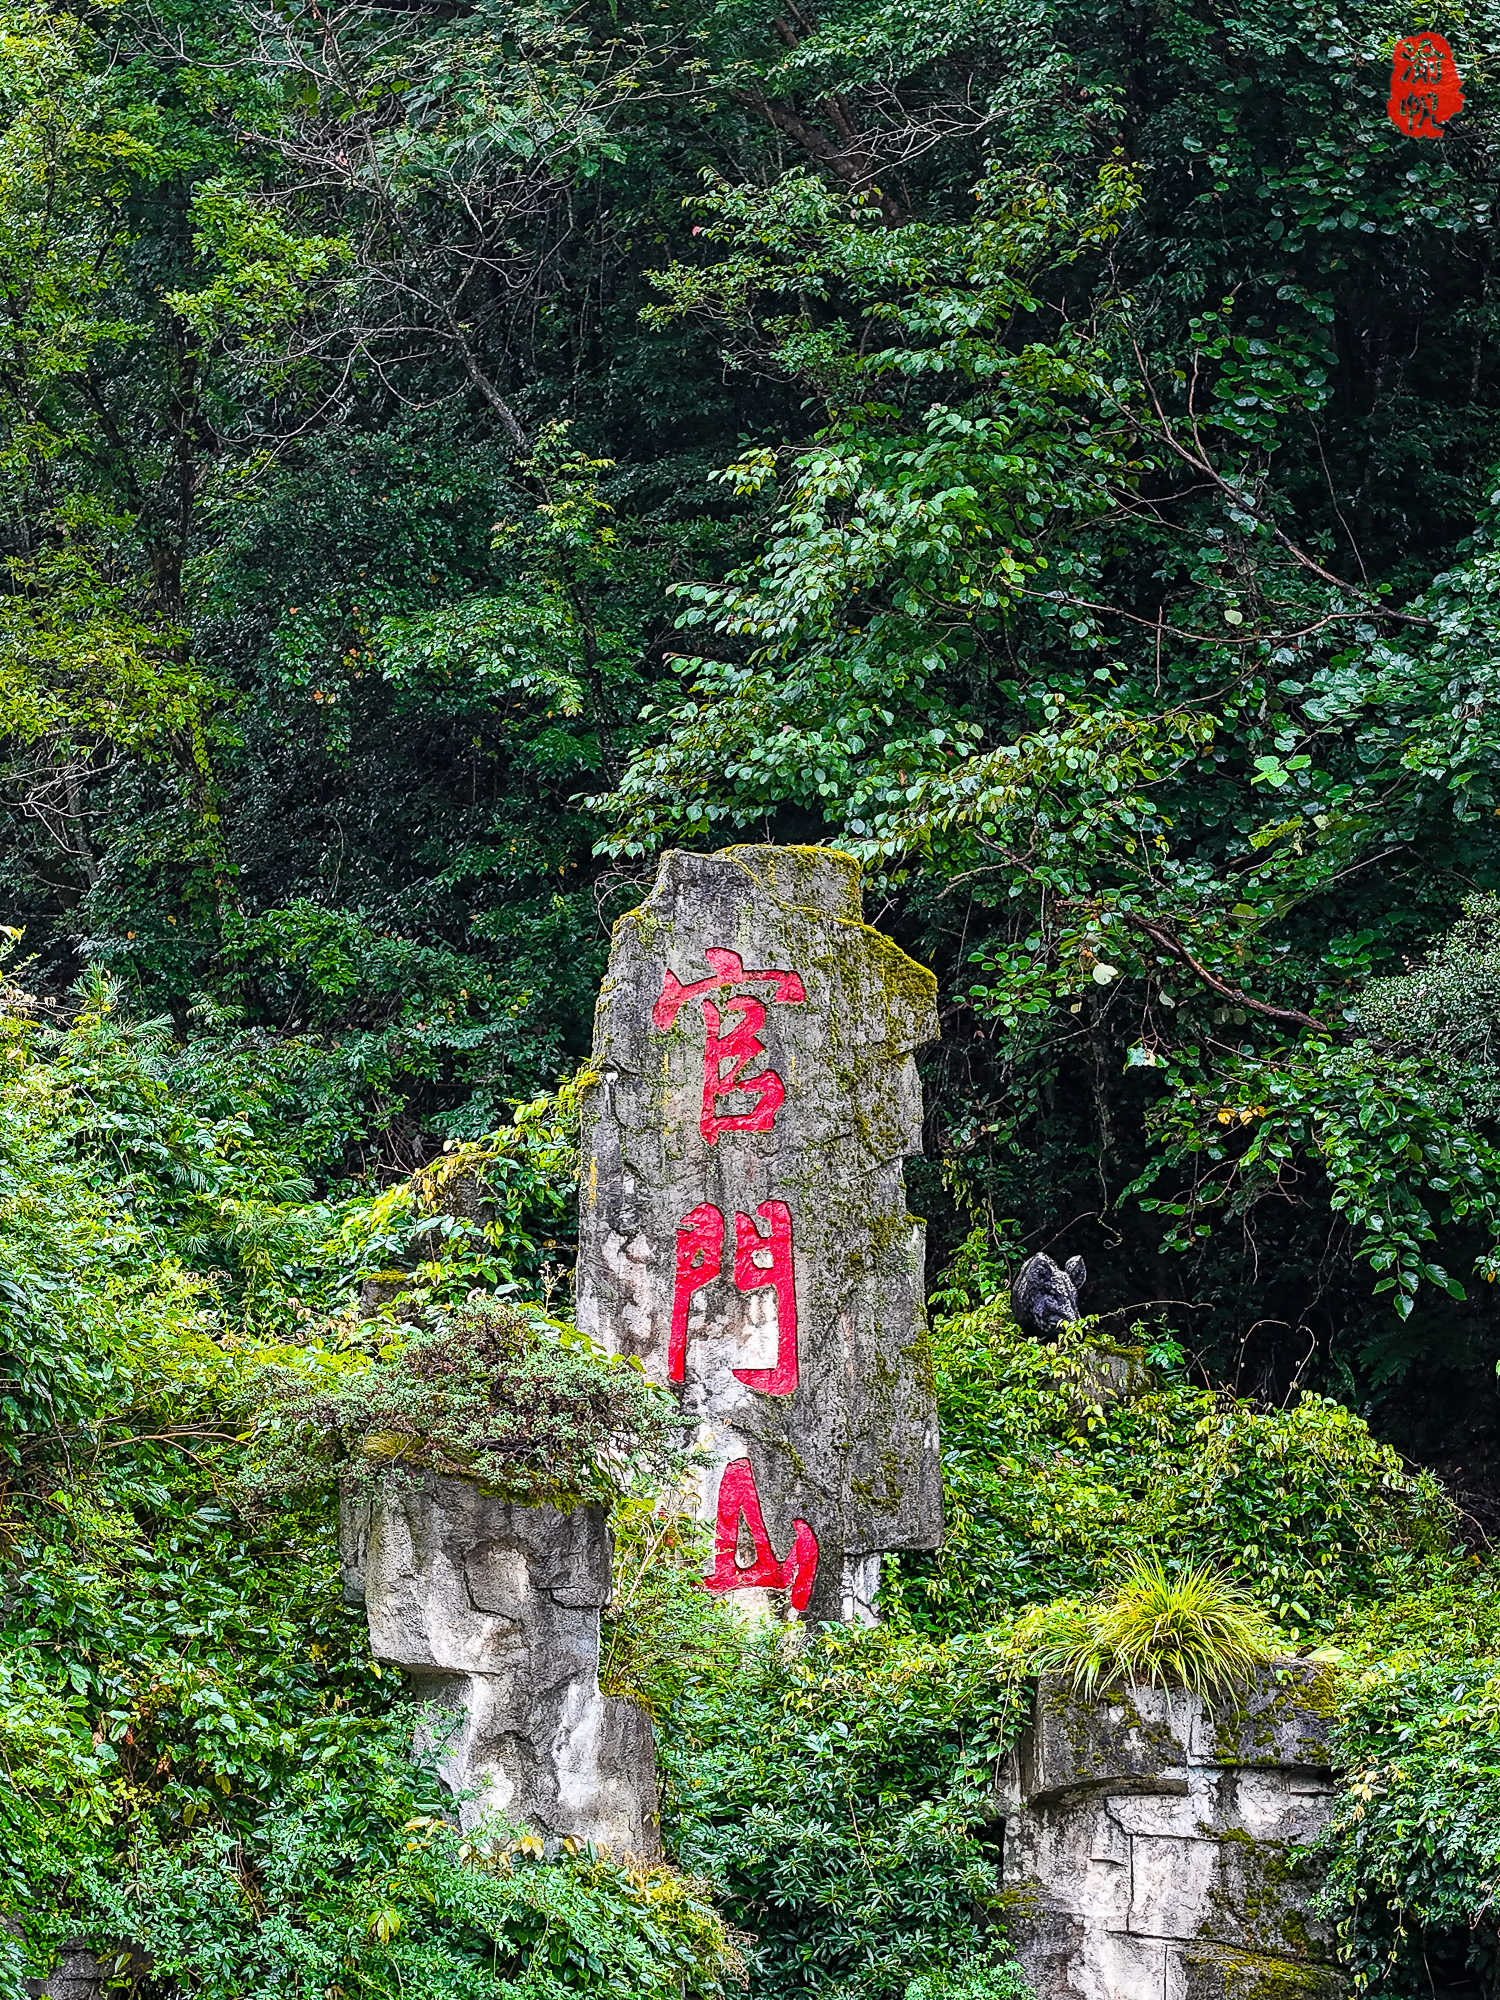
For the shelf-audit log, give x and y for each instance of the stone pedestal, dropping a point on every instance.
(743, 1227)
(492, 1611)
(1150, 1844)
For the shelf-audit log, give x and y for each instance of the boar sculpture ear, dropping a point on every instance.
(1078, 1271)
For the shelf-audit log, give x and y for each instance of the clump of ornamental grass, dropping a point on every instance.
(1190, 1628)
(530, 1408)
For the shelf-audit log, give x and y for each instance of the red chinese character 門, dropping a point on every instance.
(736, 1042)
(700, 1258)
(737, 1496)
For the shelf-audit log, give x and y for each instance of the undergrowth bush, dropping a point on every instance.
(662, 1632)
(838, 1794)
(835, 1787)
(1413, 1847)
(203, 1760)
(494, 1392)
(1047, 1481)
(417, 1912)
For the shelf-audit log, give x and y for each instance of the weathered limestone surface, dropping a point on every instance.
(492, 1610)
(79, 1976)
(1149, 1844)
(742, 1176)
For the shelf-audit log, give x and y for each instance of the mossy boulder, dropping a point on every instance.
(1153, 1837)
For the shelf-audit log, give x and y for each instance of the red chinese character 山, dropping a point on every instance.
(1425, 87)
(700, 1257)
(732, 1036)
(738, 1496)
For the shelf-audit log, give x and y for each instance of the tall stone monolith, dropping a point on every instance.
(743, 1220)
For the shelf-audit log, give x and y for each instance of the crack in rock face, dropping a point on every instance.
(743, 1229)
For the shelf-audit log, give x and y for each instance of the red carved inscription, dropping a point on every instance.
(728, 970)
(750, 1275)
(738, 1496)
(700, 1248)
(700, 1258)
(737, 1044)
(1425, 86)
(731, 1036)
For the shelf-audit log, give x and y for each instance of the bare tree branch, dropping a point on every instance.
(1164, 939)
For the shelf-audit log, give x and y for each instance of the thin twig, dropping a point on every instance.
(1237, 497)
(1178, 950)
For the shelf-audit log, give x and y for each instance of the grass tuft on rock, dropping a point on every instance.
(1191, 1628)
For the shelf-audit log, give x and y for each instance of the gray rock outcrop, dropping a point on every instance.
(743, 1224)
(78, 1976)
(1151, 1844)
(491, 1610)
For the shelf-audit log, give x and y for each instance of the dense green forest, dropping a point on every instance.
(450, 451)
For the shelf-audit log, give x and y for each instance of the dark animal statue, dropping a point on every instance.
(1045, 1295)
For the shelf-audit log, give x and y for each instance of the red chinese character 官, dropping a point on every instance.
(735, 1042)
(738, 1496)
(700, 1257)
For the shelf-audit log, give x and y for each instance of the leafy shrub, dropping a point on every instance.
(394, 1015)
(998, 1979)
(498, 1213)
(1450, 1005)
(231, 1151)
(202, 1758)
(494, 1392)
(1385, 1136)
(1414, 1842)
(200, 1753)
(1192, 1629)
(662, 1631)
(1047, 1481)
(86, 1289)
(418, 1913)
(837, 1794)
